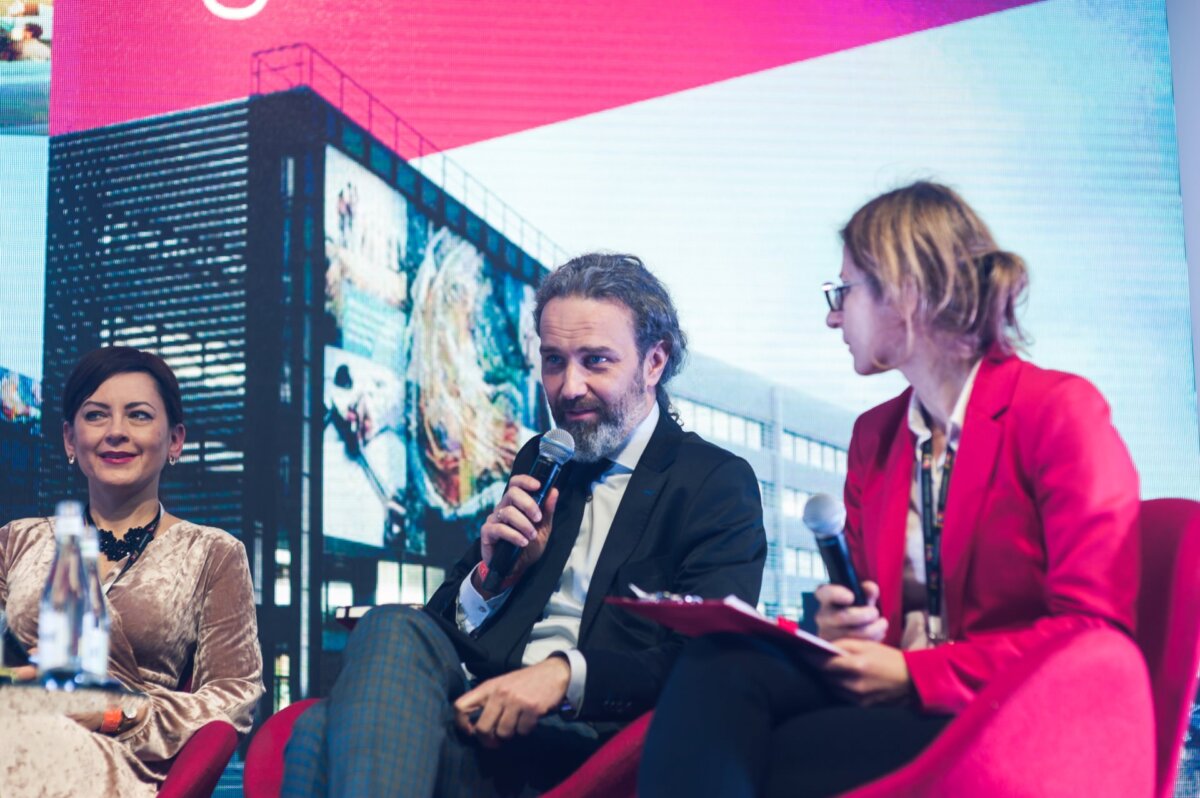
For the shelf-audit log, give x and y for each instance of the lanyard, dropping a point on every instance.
(931, 528)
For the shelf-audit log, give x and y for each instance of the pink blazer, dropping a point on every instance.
(1040, 529)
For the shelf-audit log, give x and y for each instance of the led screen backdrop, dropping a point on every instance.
(659, 129)
(26, 41)
(371, 259)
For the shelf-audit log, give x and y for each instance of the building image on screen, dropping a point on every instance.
(354, 346)
(358, 355)
(350, 314)
(429, 388)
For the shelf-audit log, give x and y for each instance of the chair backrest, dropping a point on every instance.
(1169, 622)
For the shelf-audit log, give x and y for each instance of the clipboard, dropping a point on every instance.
(693, 616)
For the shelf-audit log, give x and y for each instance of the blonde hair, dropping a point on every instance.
(926, 237)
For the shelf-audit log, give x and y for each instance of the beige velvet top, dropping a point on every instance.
(187, 601)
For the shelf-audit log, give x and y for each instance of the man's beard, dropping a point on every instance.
(606, 436)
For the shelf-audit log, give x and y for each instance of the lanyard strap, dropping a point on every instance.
(931, 527)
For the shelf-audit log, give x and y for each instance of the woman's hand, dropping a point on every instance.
(92, 721)
(838, 618)
(89, 720)
(870, 673)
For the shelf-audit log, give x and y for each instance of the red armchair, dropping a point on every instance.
(1077, 716)
(1169, 624)
(1092, 713)
(263, 775)
(199, 764)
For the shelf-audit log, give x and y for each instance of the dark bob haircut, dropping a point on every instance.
(98, 365)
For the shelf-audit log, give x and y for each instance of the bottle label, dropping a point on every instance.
(93, 649)
(54, 640)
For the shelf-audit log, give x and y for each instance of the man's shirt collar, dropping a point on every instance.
(639, 439)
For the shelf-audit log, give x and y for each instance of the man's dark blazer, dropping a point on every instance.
(690, 522)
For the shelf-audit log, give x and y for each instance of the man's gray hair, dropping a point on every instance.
(624, 279)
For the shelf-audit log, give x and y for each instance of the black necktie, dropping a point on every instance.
(584, 475)
(568, 516)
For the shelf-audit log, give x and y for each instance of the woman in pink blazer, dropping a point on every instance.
(989, 506)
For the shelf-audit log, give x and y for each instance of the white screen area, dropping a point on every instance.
(1054, 120)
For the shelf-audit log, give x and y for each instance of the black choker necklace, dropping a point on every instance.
(135, 540)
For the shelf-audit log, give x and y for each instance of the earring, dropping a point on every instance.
(172, 460)
(70, 459)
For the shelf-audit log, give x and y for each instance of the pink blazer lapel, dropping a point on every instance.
(974, 469)
(885, 522)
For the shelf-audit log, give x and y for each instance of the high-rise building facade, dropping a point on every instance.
(797, 446)
(147, 246)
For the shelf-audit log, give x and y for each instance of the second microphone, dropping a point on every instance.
(826, 517)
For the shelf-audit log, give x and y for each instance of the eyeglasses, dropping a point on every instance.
(835, 295)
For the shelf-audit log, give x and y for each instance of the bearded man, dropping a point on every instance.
(485, 693)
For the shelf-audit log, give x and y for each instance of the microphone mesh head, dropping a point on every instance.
(824, 515)
(557, 445)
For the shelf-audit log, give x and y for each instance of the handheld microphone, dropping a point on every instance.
(554, 449)
(826, 517)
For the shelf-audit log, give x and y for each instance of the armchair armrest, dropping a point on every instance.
(611, 772)
(1074, 717)
(263, 774)
(199, 764)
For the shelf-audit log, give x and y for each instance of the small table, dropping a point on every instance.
(30, 698)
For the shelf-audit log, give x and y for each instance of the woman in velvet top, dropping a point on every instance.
(990, 507)
(183, 611)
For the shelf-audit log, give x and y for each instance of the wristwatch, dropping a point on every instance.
(117, 717)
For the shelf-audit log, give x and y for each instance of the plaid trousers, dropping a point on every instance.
(388, 727)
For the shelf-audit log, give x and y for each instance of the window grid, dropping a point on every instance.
(803, 563)
(720, 426)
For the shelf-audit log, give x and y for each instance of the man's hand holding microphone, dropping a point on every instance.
(519, 521)
(515, 534)
(512, 539)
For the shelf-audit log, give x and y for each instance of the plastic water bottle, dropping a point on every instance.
(64, 602)
(93, 641)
